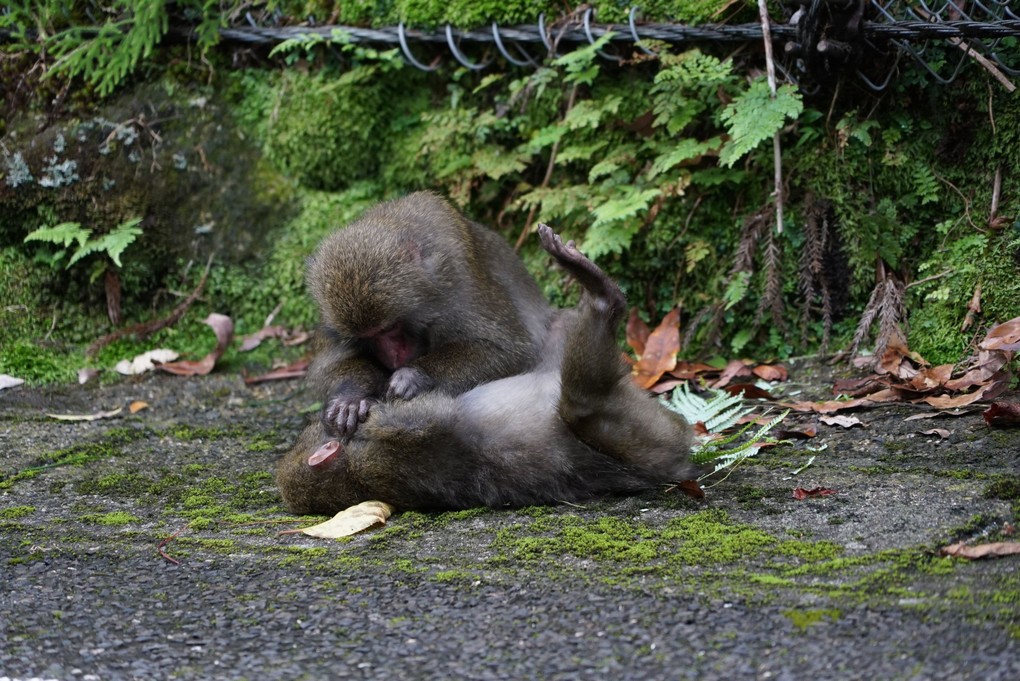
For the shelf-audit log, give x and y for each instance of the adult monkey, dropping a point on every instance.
(414, 297)
(574, 427)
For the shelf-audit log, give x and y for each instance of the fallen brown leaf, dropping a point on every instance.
(996, 385)
(931, 378)
(637, 332)
(994, 550)
(771, 372)
(733, 369)
(137, 406)
(660, 351)
(803, 433)
(1003, 414)
(295, 370)
(1005, 336)
(223, 327)
(253, 340)
(844, 421)
(801, 493)
(692, 489)
(942, 433)
(85, 417)
(859, 387)
(688, 370)
(750, 391)
(350, 520)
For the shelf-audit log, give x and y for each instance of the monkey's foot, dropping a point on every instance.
(587, 273)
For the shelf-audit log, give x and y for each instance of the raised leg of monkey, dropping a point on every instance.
(572, 429)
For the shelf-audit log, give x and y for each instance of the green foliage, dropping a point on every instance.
(755, 116)
(105, 53)
(112, 243)
(719, 413)
(638, 163)
(328, 130)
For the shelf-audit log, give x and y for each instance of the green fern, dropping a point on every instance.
(720, 412)
(755, 116)
(113, 243)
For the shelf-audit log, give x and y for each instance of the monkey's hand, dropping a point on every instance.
(406, 382)
(342, 414)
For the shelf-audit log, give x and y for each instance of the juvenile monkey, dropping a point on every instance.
(415, 297)
(572, 428)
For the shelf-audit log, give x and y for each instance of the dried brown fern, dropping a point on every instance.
(885, 306)
(772, 299)
(743, 261)
(819, 241)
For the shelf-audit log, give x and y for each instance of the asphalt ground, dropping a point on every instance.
(748, 583)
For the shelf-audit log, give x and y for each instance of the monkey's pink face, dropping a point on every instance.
(394, 346)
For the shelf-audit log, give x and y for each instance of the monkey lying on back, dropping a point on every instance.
(415, 297)
(572, 428)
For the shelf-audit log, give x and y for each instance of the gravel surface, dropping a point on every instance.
(746, 584)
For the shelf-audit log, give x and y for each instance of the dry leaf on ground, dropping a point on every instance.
(637, 332)
(253, 340)
(692, 489)
(351, 520)
(733, 369)
(1004, 337)
(801, 493)
(223, 327)
(85, 417)
(802, 433)
(845, 421)
(749, 391)
(295, 370)
(660, 351)
(1003, 414)
(770, 372)
(994, 550)
(137, 406)
(942, 433)
(7, 381)
(145, 361)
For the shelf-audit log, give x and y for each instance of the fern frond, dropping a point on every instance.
(717, 414)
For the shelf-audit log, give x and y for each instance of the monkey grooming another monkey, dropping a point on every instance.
(572, 428)
(415, 297)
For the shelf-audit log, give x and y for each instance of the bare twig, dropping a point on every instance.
(146, 329)
(777, 154)
(931, 278)
(166, 541)
(996, 191)
(548, 174)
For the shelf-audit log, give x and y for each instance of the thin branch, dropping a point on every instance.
(931, 278)
(777, 154)
(548, 174)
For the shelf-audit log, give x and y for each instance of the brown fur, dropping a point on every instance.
(458, 294)
(573, 427)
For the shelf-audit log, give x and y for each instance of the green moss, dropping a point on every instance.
(802, 619)
(709, 537)
(14, 512)
(453, 576)
(328, 130)
(114, 518)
